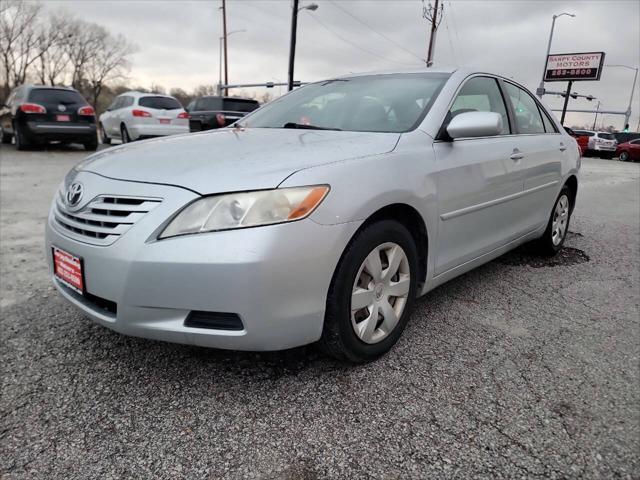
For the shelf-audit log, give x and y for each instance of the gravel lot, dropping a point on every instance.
(522, 368)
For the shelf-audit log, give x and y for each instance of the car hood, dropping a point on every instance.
(233, 159)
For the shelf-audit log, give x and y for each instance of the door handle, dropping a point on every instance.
(516, 156)
(562, 147)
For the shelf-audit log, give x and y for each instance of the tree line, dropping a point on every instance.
(59, 49)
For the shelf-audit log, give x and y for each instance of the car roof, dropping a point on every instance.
(136, 94)
(49, 87)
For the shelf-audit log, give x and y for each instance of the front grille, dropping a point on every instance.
(104, 219)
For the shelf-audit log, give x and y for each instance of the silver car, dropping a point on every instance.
(320, 217)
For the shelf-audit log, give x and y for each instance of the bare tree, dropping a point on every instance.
(54, 59)
(183, 97)
(20, 41)
(204, 90)
(81, 45)
(110, 63)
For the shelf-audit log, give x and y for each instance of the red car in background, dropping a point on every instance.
(629, 151)
(581, 138)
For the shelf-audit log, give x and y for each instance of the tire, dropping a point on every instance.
(103, 136)
(554, 235)
(21, 142)
(624, 156)
(124, 134)
(344, 334)
(6, 137)
(91, 146)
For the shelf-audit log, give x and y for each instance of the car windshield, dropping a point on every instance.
(371, 103)
(54, 95)
(607, 136)
(160, 103)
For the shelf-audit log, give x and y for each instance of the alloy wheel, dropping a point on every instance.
(380, 292)
(560, 220)
(624, 156)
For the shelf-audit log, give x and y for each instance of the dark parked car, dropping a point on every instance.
(35, 115)
(206, 113)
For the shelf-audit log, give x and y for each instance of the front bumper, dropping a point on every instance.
(274, 278)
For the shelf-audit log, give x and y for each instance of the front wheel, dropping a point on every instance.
(6, 137)
(624, 156)
(124, 134)
(556, 232)
(371, 294)
(103, 136)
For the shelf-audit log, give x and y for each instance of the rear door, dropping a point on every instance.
(236, 108)
(62, 106)
(543, 149)
(163, 110)
(478, 180)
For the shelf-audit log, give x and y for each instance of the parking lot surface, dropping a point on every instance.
(523, 368)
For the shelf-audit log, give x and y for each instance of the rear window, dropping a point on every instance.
(209, 103)
(240, 105)
(583, 133)
(606, 136)
(160, 103)
(51, 95)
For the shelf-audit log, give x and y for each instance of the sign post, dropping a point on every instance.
(571, 67)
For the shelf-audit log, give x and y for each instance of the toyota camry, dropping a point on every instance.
(318, 218)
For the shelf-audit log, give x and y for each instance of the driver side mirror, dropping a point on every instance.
(475, 124)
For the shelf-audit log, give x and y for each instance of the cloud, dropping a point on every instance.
(179, 40)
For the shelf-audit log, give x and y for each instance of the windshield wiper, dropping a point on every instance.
(302, 126)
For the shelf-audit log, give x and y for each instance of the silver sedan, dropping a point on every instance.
(320, 217)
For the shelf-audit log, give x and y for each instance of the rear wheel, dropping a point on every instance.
(103, 136)
(21, 142)
(624, 156)
(556, 232)
(91, 146)
(124, 134)
(371, 294)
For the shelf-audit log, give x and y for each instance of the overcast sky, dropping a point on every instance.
(178, 40)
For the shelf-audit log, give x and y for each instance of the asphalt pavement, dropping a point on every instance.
(523, 368)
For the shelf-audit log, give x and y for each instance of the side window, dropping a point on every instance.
(480, 94)
(548, 124)
(114, 104)
(528, 119)
(192, 104)
(126, 102)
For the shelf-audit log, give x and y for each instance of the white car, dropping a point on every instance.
(135, 115)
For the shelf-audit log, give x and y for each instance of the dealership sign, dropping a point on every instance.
(574, 66)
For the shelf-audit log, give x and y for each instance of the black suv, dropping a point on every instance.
(206, 113)
(35, 115)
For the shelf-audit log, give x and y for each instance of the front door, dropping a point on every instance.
(478, 181)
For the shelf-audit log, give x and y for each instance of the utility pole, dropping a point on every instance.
(566, 102)
(595, 119)
(224, 36)
(434, 15)
(292, 44)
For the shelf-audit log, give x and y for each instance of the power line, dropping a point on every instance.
(357, 46)
(362, 22)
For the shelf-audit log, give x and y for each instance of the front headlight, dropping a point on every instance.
(247, 209)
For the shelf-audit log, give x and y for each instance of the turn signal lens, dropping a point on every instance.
(32, 108)
(86, 110)
(246, 209)
(140, 113)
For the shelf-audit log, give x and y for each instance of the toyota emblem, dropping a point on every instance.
(74, 194)
(62, 108)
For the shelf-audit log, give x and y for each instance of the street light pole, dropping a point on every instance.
(294, 33)
(226, 91)
(595, 119)
(633, 88)
(540, 90)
